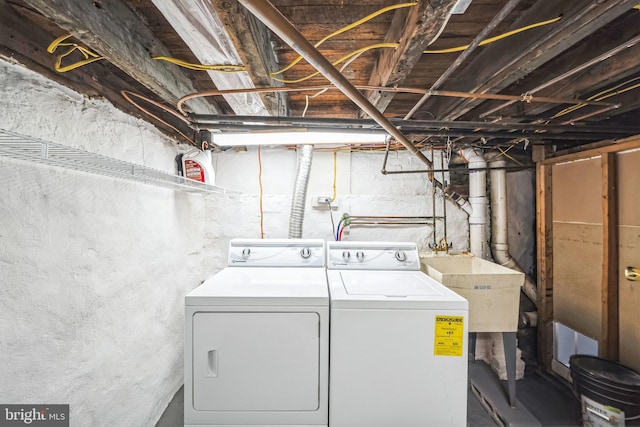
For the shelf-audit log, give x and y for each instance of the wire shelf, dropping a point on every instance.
(20, 147)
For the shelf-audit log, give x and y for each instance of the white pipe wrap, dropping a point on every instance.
(298, 201)
(477, 202)
(499, 236)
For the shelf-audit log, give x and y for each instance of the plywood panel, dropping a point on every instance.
(628, 185)
(629, 298)
(576, 192)
(577, 276)
(629, 255)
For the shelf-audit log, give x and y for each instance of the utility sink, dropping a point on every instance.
(493, 291)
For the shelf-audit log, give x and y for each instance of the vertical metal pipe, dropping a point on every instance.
(444, 201)
(467, 52)
(279, 24)
(433, 205)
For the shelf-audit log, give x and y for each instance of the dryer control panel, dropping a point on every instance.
(276, 253)
(373, 256)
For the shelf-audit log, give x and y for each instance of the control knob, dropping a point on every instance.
(246, 252)
(305, 253)
(360, 255)
(401, 256)
(346, 255)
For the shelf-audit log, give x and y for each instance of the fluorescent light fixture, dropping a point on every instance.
(233, 139)
(460, 7)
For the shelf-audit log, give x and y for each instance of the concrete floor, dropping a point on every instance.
(547, 403)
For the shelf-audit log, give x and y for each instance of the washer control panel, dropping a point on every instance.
(276, 253)
(372, 256)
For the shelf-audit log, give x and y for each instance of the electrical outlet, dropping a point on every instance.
(324, 202)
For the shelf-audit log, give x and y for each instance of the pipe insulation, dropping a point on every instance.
(499, 236)
(477, 202)
(298, 201)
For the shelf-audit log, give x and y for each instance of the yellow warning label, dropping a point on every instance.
(449, 336)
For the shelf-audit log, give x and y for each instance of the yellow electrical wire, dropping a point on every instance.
(607, 93)
(637, 6)
(496, 38)
(89, 56)
(395, 45)
(339, 61)
(335, 173)
(260, 183)
(222, 68)
(347, 28)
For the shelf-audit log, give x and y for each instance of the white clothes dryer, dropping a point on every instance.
(398, 340)
(257, 338)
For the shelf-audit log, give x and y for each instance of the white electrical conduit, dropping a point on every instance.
(300, 191)
(477, 202)
(499, 241)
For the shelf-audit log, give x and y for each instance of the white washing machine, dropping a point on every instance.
(398, 340)
(257, 338)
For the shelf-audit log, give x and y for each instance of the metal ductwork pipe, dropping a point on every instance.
(298, 202)
(478, 202)
(499, 236)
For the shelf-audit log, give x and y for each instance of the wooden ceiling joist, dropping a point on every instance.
(414, 29)
(580, 71)
(253, 43)
(111, 29)
(492, 71)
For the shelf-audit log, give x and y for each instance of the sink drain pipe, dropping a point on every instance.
(499, 236)
(478, 202)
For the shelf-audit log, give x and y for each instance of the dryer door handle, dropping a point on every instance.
(212, 363)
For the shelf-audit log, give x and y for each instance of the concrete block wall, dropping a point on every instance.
(361, 190)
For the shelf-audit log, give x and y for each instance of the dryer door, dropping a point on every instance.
(256, 361)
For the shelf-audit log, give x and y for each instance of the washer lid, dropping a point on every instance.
(390, 290)
(383, 285)
(256, 286)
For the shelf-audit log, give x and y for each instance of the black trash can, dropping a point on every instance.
(607, 383)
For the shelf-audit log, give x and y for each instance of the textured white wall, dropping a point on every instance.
(361, 190)
(93, 269)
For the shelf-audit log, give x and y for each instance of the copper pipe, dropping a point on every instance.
(464, 55)
(425, 222)
(363, 217)
(272, 18)
(450, 93)
(595, 113)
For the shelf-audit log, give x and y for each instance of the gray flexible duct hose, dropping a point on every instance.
(305, 155)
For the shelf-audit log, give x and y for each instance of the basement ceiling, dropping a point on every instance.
(542, 58)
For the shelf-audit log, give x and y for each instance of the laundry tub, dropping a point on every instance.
(493, 291)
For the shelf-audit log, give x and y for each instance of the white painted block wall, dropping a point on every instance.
(93, 270)
(361, 190)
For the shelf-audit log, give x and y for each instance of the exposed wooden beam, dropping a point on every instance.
(24, 34)
(414, 29)
(593, 150)
(610, 55)
(491, 70)
(253, 43)
(544, 221)
(114, 31)
(609, 336)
